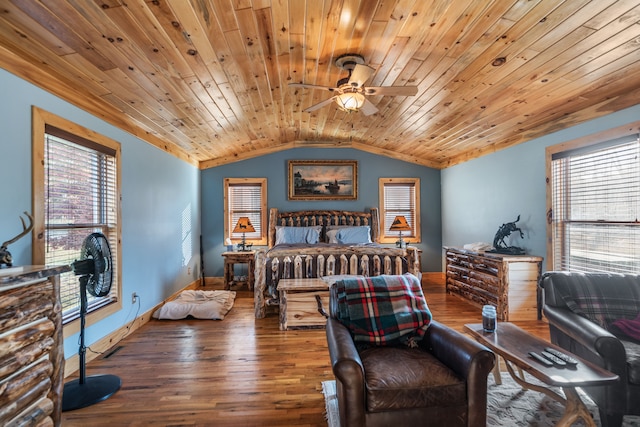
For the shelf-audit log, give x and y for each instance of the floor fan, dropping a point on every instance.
(96, 275)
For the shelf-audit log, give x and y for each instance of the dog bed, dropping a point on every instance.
(212, 305)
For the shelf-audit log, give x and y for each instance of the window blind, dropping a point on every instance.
(80, 198)
(596, 204)
(245, 200)
(399, 199)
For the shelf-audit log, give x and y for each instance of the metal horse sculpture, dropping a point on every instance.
(5, 256)
(503, 232)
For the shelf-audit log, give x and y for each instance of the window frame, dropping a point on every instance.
(579, 143)
(40, 120)
(415, 235)
(228, 227)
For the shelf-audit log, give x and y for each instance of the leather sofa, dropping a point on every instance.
(443, 382)
(582, 310)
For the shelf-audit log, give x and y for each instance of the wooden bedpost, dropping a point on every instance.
(414, 261)
(273, 221)
(260, 284)
(375, 225)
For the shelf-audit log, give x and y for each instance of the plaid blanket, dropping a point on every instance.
(383, 310)
(602, 298)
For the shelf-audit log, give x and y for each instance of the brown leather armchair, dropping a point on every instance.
(441, 383)
(577, 306)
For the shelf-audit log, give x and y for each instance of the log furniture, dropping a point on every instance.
(508, 282)
(240, 257)
(325, 259)
(31, 346)
(298, 304)
(513, 345)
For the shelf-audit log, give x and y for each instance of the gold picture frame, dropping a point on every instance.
(323, 180)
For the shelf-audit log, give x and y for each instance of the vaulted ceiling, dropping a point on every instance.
(208, 80)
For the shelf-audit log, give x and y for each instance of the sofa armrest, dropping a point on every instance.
(590, 335)
(456, 350)
(469, 359)
(348, 370)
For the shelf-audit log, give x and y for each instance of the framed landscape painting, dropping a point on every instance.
(323, 180)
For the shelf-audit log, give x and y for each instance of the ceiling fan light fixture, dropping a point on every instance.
(350, 101)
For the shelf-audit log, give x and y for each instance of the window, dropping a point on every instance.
(399, 196)
(595, 206)
(246, 197)
(76, 193)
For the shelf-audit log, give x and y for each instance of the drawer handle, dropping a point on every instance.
(321, 309)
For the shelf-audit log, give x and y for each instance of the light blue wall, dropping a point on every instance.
(156, 189)
(275, 168)
(480, 195)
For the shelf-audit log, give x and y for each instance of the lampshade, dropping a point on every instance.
(400, 224)
(350, 101)
(244, 225)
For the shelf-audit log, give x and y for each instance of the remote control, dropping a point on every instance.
(568, 359)
(540, 359)
(554, 359)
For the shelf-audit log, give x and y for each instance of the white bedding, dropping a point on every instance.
(212, 305)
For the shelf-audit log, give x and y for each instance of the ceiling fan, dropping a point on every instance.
(351, 91)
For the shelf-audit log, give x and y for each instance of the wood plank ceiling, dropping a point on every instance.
(207, 80)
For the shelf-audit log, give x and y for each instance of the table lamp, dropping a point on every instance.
(243, 226)
(400, 224)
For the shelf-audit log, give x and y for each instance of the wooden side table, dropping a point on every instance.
(240, 257)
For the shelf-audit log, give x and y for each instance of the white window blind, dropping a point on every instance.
(245, 200)
(399, 197)
(596, 204)
(80, 198)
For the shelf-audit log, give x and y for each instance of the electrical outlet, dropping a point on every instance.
(189, 270)
(134, 298)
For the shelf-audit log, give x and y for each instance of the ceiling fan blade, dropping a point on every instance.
(368, 108)
(319, 105)
(391, 90)
(306, 86)
(360, 75)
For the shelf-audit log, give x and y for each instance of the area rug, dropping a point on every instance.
(507, 405)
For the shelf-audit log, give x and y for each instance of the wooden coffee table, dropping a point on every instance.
(513, 345)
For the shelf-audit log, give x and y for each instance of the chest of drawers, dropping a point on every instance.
(31, 352)
(508, 282)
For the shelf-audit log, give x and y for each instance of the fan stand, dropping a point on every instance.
(85, 392)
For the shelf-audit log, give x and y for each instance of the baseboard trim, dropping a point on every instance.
(105, 345)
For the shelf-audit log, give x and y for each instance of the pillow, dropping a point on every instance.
(332, 231)
(332, 235)
(291, 235)
(345, 235)
(629, 327)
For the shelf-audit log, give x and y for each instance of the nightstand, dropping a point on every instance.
(240, 257)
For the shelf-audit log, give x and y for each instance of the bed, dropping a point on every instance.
(319, 243)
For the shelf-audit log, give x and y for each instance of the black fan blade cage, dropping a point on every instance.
(95, 262)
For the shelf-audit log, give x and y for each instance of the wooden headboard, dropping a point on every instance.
(324, 218)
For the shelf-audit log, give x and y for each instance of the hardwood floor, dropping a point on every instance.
(236, 372)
